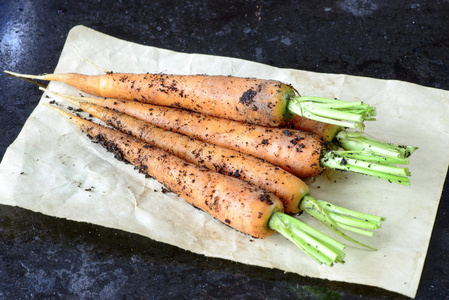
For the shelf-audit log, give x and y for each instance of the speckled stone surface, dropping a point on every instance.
(46, 257)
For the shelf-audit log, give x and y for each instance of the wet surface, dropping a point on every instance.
(47, 257)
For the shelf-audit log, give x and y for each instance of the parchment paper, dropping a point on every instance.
(53, 168)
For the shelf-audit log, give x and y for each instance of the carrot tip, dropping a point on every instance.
(42, 77)
(89, 62)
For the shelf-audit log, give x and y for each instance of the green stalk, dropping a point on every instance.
(316, 244)
(366, 163)
(375, 158)
(335, 217)
(332, 111)
(356, 141)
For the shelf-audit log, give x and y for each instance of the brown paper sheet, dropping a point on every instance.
(54, 169)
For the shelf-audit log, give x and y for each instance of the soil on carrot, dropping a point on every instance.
(247, 97)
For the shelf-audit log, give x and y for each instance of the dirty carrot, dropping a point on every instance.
(301, 153)
(292, 191)
(288, 188)
(240, 205)
(257, 101)
(325, 130)
(338, 136)
(295, 151)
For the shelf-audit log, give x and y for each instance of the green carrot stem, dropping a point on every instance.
(345, 161)
(354, 222)
(316, 244)
(335, 217)
(356, 141)
(333, 111)
(378, 167)
(375, 158)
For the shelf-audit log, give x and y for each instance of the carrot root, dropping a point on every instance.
(287, 187)
(294, 151)
(89, 62)
(27, 76)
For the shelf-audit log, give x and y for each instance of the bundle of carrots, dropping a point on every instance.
(237, 148)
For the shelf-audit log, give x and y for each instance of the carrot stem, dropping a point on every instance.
(356, 141)
(335, 217)
(318, 245)
(366, 163)
(332, 111)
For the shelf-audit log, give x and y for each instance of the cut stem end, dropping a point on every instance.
(356, 141)
(319, 246)
(332, 111)
(335, 217)
(366, 163)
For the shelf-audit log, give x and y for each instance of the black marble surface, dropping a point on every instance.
(50, 258)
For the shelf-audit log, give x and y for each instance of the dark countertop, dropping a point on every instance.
(46, 257)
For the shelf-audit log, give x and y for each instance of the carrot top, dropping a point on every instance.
(319, 246)
(335, 217)
(356, 141)
(342, 113)
(367, 163)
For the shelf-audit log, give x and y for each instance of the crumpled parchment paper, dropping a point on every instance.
(53, 168)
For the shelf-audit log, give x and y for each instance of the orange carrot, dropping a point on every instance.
(295, 151)
(256, 101)
(293, 192)
(325, 130)
(287, 187)
(300, 153)
(244, 207)
(262, 102)
(238, 204)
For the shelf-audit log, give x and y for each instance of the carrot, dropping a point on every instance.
(292, 191)
(298, 152)
(287, 187)
(262, 102)
(295, 151)
(325, 130)
(337, 136)
(240, 205)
